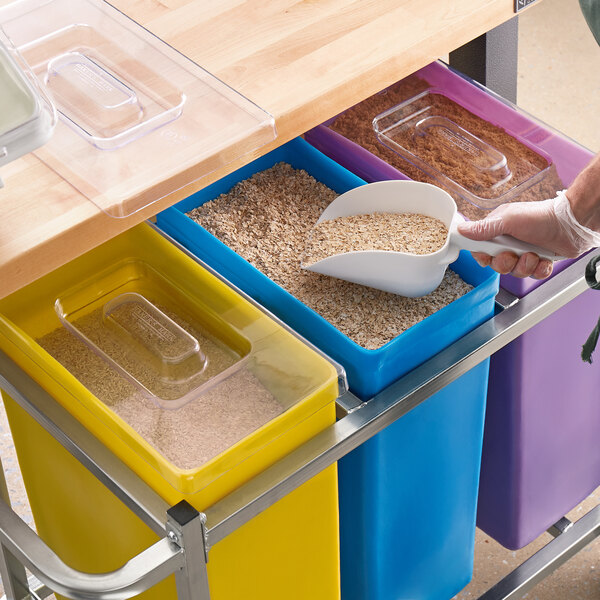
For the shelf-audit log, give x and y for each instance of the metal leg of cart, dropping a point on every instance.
(181, 549)
(12, 571)
(186, 535)
(570, 538)
(491, 59)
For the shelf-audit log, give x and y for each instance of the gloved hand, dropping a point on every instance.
(548, 223)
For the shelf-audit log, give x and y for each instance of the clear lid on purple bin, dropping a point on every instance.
(137, 119)
(424, 131)
(27, 117)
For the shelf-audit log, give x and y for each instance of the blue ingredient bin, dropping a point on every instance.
(408, 495)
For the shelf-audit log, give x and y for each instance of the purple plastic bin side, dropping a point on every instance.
(540, 450)
(355, 158)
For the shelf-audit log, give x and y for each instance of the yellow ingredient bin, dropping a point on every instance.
(288, 551)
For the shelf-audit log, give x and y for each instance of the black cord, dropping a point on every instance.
(590, 344)
(590, 273)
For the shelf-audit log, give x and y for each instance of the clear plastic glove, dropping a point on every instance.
(548, 223)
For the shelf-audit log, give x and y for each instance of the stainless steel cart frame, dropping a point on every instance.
(30, 570)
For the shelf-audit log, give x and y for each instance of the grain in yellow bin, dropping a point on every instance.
(195, 389)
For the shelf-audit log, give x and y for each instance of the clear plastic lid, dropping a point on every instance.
(424, 131)
(27, 118)
(134, 319)
(138, 120)
(135, 327)
(151, 336)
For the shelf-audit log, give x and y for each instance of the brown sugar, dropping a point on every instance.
(356, 125)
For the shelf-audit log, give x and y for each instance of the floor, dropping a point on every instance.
(559, 82)
(559, 70)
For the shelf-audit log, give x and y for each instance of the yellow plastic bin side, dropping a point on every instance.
(290, 550)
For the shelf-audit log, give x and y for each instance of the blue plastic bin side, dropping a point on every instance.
(408, 499)
(408, 496)
(369, 371)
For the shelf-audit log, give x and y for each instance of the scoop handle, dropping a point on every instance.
(501, 243)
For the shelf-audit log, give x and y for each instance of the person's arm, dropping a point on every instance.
(584, 195)
(591, 12)
(568, 225)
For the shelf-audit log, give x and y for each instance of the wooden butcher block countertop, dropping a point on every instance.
(302, 61)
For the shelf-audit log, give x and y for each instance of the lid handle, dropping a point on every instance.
(143, 327)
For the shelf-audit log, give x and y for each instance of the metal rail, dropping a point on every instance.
(20, 547)
(394, 402)
(362, 421)
(572, 539)
(144, 570)
(94, 455)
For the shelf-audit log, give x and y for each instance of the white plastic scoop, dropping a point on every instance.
(398, 272)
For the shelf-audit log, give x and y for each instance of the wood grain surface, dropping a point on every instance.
(302, 61)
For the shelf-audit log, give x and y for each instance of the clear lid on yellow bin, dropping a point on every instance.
(424, 131)
(171, 347)
(192, 367)
(136, 321)
(257, 397)
(137, 119)
(27, 117)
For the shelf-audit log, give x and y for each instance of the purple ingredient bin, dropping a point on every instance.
(540, 453)
(568, 156)
(540, 446)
